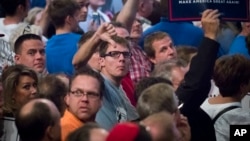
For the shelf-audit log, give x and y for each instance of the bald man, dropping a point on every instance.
(39, 120)
(162, 127)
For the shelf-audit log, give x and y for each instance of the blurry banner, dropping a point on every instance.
(190, 10)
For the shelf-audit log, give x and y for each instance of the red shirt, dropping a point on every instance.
(128, 87)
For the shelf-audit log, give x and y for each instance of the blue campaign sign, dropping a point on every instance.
(190, 10)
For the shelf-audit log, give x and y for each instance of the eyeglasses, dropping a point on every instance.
(80, 93)
(116, 54)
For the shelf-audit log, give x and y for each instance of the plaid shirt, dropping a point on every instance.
(140, 64)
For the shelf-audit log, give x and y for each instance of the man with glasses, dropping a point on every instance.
(83, 100)
(114, 64)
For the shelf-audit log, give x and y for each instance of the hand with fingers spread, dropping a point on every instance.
(105, 32)
(210, 23)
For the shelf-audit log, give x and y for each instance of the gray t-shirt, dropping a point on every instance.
(116, 107)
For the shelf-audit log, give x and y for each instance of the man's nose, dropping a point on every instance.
(39, 55)
(84, 97)
(85, 9)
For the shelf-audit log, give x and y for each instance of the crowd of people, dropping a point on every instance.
(82, 70)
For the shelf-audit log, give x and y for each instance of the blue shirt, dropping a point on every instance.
(60, 51)
(239, 46)
(112, 6)
(37, 3)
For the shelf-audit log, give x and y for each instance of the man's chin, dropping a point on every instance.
(83, 117)
(121, 75)
(101, 3)
(82, 19)
(39, 70)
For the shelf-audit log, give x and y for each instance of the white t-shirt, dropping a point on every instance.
(10, 130)
(235, 116)
(85, 25)
(6, 29)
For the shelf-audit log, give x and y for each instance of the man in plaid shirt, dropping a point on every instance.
(140, 63)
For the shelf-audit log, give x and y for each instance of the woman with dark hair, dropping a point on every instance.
(19, 86)
(231, 75)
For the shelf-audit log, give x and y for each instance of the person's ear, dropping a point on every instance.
(102, 62)
(67, 99)
(17, 58)
(68, 19)
(49, 133)
(100, 103)
(20, 8)
(153, 60)
(244, 89)
(141, 6)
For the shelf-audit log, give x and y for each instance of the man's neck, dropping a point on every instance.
(62, 30)
(113, 80)
(134, 41)
(12, 20)
(222, 100)
(140, 14)
(243, 33)
(92, 119)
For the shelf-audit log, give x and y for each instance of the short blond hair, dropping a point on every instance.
(156, 98)
(32, 15)
(163, 121)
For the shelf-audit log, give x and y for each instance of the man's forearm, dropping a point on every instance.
(86, 50)
(128, 13)
(44, 22)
